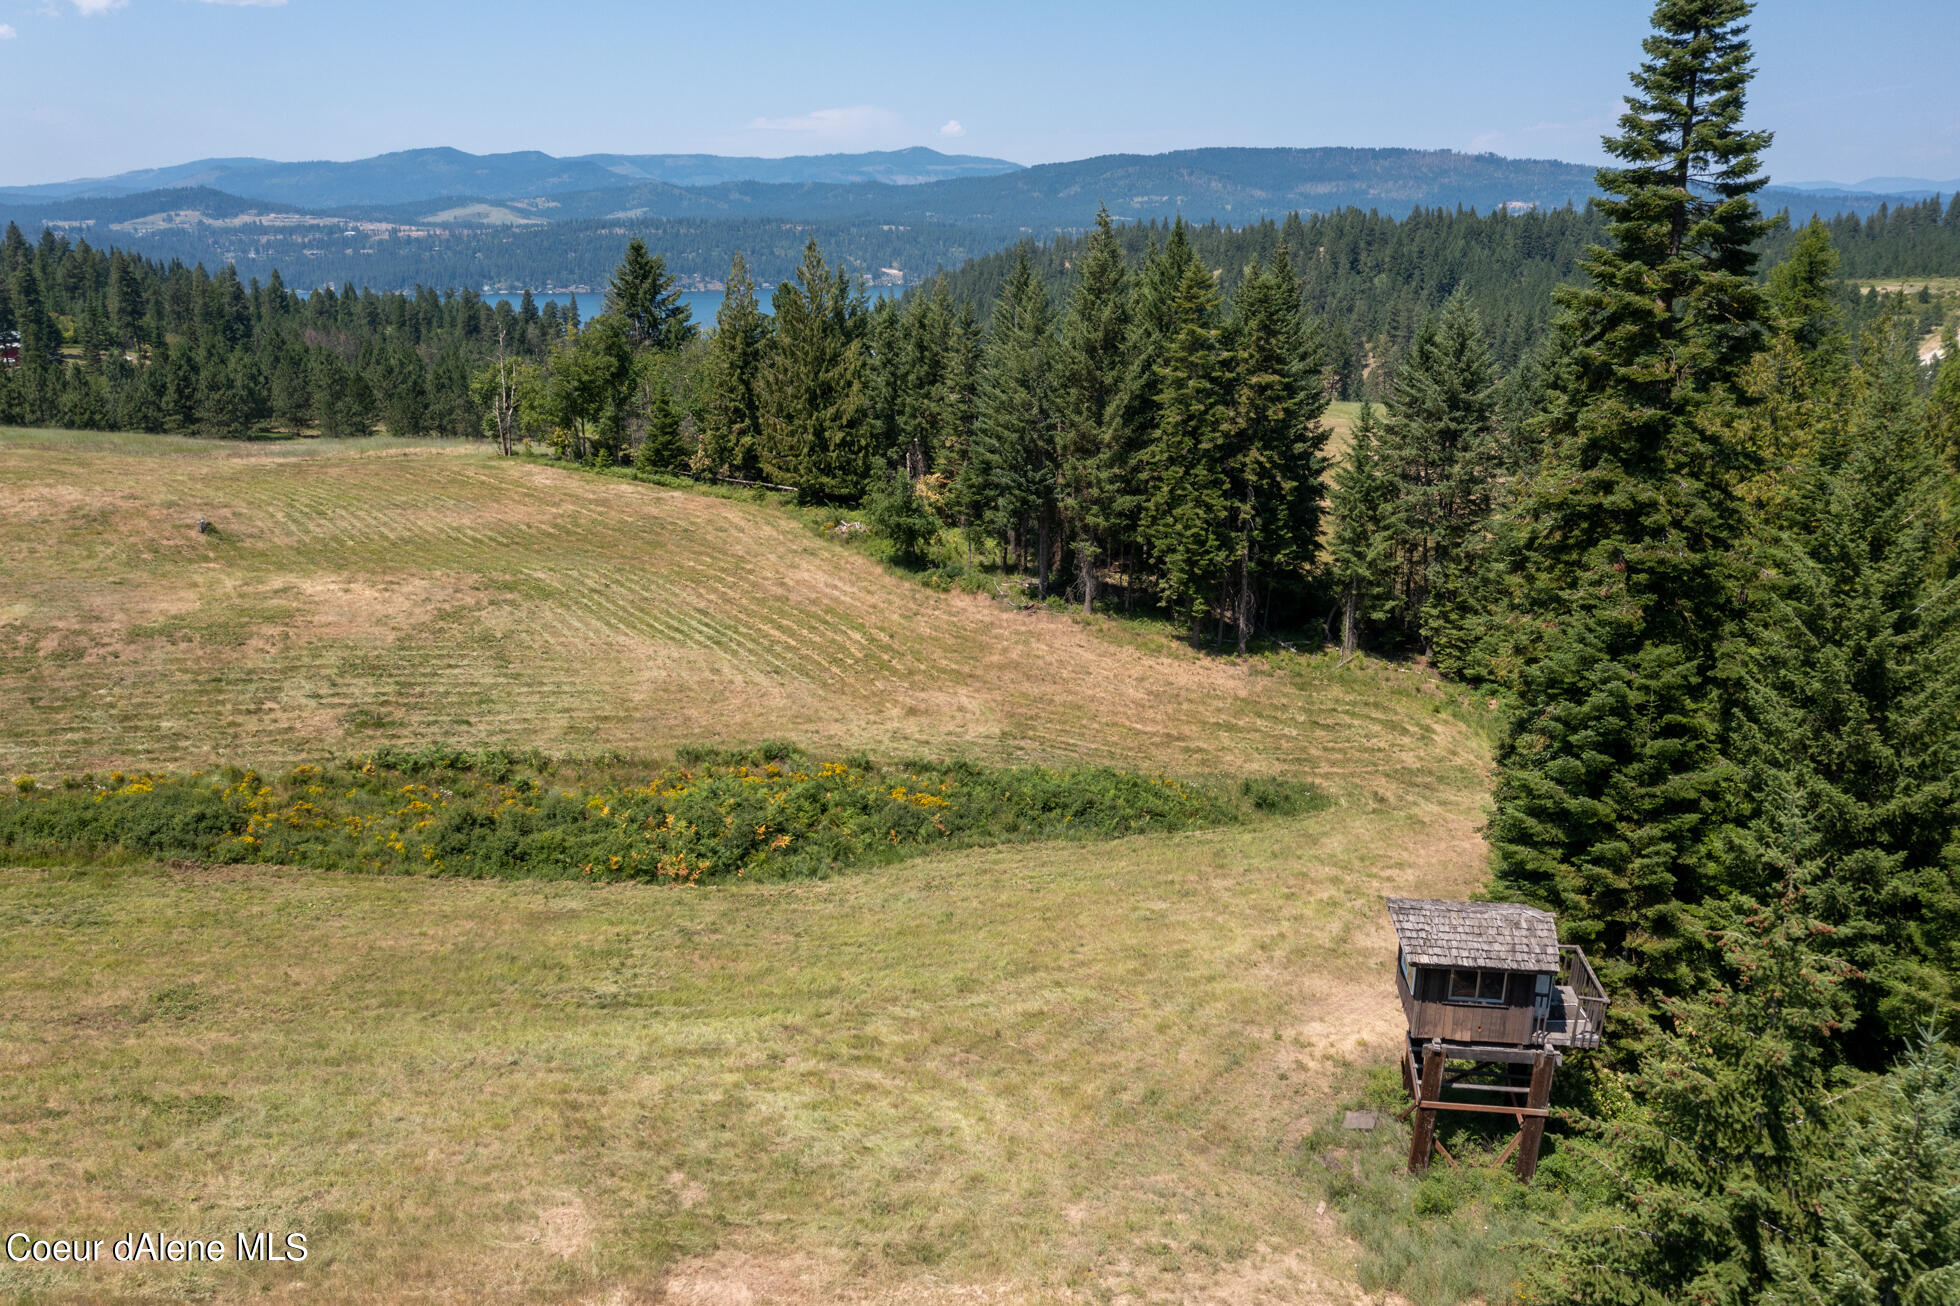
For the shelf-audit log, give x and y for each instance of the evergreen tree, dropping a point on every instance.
(897, 513)
(1611, 771)
(956, 399)
(816, 422)
(1361, 554)
(1890, 1223)
(1011, 472)
(1152, 323)
(661, 449)
(887, 379)
(40, 335)
(1093, 448)
(925, 404)
(1852, 704)
(1184, 518)
(731, 411)
(1802, 289)
(1440, 453)
(1719, 1152)
(1271, 453)
(644, 297)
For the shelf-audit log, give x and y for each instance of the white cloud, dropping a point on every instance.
(7, 33)
(855, 123)
(953, 127)
(89, 8)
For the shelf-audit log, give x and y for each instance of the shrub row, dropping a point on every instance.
(770, 812)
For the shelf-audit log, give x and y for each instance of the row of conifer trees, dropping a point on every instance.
(1142, 432)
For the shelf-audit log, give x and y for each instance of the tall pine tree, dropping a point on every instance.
(816, 417)
(1094, 452)
(1361, 557)
(1184, 521)
(1011, 473)
(1271, 454)
(1441, 454)
(643, 295)
(731, 407)
(1612, 776)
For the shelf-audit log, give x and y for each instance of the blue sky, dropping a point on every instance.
(93, 87)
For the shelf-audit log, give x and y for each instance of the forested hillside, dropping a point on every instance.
(1373, 279)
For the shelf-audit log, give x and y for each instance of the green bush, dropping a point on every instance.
(714, 814)
(898, 514)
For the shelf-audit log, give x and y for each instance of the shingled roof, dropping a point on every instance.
(1492, 935)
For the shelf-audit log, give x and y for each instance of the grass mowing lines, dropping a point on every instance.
(642, 604)
(536, 603)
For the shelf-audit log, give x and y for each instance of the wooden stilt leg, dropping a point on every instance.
(1424, 1135)
(1509, 1147)
(1532, 1132)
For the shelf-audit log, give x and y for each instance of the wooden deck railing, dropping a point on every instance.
(1576, 972)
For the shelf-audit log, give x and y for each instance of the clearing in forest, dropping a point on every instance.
(1045, 1072)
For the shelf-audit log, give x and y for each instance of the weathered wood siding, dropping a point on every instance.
(1431, 1015)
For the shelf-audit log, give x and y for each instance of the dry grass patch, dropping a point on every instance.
(353, 599)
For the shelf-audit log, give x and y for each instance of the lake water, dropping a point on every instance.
(703, 304)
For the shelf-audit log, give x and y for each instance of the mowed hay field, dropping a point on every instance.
(348, 599)
(1057, 1072)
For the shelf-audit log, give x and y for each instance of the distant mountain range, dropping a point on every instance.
(410, 175)
(450, 188)
(1912, 188)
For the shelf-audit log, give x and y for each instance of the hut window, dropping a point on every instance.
(1477, 986)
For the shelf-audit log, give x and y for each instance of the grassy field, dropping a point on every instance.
(1339, 420)
(1052, 1072)
(351, 599)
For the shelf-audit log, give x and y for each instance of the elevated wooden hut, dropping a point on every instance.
(1493, 1001)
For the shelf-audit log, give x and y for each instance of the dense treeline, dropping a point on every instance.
(1917, 239)
(1146, 431)
(1374, 280)
(154, 347)
(113, 341)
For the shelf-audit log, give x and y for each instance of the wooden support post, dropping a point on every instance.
(1531, 1132)
(1424, 1135)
